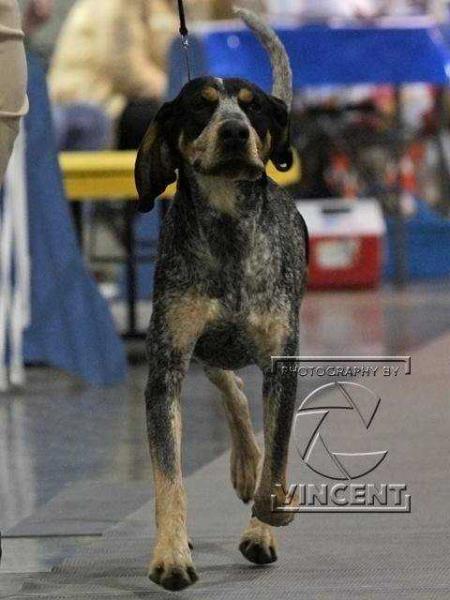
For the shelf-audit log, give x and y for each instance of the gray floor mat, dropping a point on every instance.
(86, 508)
(328, 556)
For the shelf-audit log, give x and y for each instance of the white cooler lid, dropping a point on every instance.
(340, 217)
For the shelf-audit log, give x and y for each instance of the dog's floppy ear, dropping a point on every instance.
(281, 154)
(155, 163)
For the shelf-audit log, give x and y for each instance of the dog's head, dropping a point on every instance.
(228, 128)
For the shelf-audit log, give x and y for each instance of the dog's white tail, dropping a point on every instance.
(282, 73)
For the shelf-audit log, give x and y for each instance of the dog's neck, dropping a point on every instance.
(220, 193)
(223, 196)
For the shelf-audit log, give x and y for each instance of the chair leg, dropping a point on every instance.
(131, 264)
(77, 215)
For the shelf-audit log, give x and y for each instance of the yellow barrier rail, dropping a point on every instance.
(110, 175)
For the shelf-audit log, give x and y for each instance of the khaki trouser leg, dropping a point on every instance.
(13, 79)
(8, 131)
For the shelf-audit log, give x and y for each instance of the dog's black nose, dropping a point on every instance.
(234, 134)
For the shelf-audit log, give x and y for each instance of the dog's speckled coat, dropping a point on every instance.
(228, 286)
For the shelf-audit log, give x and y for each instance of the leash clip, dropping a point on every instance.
(184, 37)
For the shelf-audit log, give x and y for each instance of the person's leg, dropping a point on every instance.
(13, 79)
(8, 132)
(81, 127)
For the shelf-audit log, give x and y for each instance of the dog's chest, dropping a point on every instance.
(242, 265)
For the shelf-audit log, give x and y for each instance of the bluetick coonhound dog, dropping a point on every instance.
(228, 285)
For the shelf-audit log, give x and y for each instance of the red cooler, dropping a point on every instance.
(346, 242)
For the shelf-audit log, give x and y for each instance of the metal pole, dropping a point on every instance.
(400, 238)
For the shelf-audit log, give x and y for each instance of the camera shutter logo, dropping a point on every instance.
(320, 405)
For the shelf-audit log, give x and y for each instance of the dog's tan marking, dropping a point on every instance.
(246, 96)
(204, 147)
(187, 317)
(245, 453)
(210, 94)
(264, 147)
(220, 192)
(187, 149)
(269, 330)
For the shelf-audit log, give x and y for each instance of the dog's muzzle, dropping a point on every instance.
(232, 153)
(234, 136)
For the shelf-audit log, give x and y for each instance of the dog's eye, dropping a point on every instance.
(203, 104)
(255, 106)
(200, 104)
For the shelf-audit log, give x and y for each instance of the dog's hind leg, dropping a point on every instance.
(257, 542)
(245, 454)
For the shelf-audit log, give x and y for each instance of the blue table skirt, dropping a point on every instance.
(71, 326)
(427, 245)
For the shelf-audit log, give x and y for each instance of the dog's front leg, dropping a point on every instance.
(171, 565)
(279, 395)
(174, 330)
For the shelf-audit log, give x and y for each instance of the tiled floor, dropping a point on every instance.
(58, 433)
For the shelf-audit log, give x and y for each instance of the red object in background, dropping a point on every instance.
(341, 178)
(346, 243)
(362, 268)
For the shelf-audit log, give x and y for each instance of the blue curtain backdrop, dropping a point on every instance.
(72, 328)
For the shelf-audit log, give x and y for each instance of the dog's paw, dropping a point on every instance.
(244, 465)
(258, 543)
(173, 569)
(173, 577)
